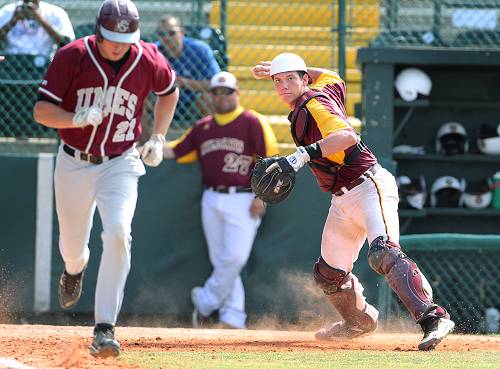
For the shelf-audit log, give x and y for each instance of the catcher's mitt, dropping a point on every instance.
(275, 186)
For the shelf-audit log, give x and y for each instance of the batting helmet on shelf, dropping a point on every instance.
(478, 194)
(411, 82)
(451, 139)
(446, 192)
(118, 21)
(412, 192)
(488, 140)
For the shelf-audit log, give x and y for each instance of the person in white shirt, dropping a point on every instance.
(34, 27)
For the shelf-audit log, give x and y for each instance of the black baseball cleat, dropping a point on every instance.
(104, 343)
(435, 330)
(70, 289)
(344, 330)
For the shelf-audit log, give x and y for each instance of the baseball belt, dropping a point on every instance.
(370, 172)
(228, 189)
(87, 157)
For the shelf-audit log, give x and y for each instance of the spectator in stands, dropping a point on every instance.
(195, 65)
(34, 27)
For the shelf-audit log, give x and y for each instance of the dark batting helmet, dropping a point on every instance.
(118, 21)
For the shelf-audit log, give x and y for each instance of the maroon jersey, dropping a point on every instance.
(226, 146)
(326, 114)
(79, 77)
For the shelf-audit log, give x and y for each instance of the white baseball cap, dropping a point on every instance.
(224, 79)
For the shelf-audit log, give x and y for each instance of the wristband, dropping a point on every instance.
(314, 151)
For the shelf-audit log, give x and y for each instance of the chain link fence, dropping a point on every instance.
(240, 33)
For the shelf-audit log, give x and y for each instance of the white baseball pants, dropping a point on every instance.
(112, 187)
(368, 210)
(230, 231)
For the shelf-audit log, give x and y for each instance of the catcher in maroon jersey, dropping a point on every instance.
(364, 204)
(93, 93)
(226, 146)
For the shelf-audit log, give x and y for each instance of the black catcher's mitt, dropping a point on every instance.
(275, 186)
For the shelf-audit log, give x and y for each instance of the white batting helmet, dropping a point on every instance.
(446, 192)
(287, 62)
(412, 192)
(478, 194)
(451, 139)
(488, 140)
(412, 81)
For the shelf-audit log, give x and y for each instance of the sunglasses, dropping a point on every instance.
(169, 33)
(222, 91)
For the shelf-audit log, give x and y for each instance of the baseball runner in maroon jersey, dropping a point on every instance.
(364, 204)
(226, 146)
(93, 93)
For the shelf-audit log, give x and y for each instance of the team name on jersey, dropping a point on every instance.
(222, 144)
(117, 100)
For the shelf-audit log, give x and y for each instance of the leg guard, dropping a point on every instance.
(345, 293)
(404, 277)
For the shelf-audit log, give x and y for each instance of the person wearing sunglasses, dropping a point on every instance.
(226, 146)
(194, 63)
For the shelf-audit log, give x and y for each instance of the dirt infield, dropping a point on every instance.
(44, 346)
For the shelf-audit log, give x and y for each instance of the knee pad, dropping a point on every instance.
(382, 255)
(328, 278)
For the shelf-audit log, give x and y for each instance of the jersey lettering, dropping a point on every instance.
(221, 144)
(124, 131)
(234, 163)
(124, 102)
(120, 102)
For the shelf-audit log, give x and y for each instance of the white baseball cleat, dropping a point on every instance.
(435, 332)
(197, 319)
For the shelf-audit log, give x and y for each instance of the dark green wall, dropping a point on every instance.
(169, 254)
(17, 232)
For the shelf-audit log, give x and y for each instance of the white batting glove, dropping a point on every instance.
(293, 161)
(152, 151)
(298, 158)
(92, 116)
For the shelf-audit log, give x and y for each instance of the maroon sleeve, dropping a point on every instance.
(164, 75)
(185, 145)
(60, 73)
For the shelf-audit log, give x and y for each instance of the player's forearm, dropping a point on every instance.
(337, 141)
(58, 37)
(194, 85)
(53, 116)
(164, 112)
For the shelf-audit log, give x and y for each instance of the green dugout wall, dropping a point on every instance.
(169, 254)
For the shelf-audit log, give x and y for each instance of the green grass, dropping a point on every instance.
(315, 360)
